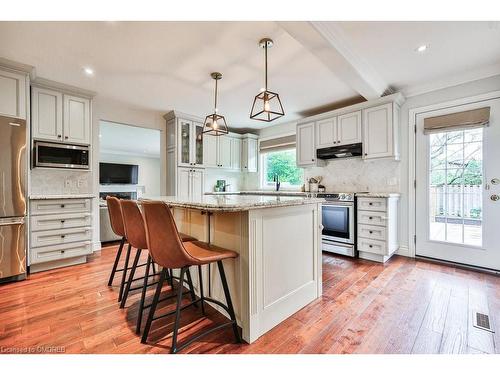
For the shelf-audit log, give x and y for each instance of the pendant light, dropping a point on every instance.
(267, 104)
(215, 124)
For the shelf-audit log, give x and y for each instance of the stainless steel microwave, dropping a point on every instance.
(60, 155)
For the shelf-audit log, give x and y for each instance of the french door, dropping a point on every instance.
(458, 190)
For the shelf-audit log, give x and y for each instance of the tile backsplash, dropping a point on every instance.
(60, 181)
(356, 175)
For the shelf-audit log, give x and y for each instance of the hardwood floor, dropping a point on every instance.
(404, 306)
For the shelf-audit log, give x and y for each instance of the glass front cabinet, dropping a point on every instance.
(190, 149)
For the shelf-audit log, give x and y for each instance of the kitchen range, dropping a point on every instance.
(339, 224)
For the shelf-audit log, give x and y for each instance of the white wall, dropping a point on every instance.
(149, 170)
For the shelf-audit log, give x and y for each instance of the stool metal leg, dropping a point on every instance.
(117, 259)
(190, 284)
(200, 282)
(173, 349)
(124, 274)
(228, 301)
(130, 278)
(143, 296)
(152, 309)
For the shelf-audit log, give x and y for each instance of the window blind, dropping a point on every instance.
(277, 144)
(475, 118)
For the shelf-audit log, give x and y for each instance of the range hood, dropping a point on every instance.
(340, 152)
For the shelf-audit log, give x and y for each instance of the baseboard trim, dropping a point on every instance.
(96, 246)
(404, 251)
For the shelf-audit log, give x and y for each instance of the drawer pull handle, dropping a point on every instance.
(371, 204)
(62, 251)
(371, 218)
(370, 245)
(371, 232)
(62, 205)
(63, 235)
(62, 221)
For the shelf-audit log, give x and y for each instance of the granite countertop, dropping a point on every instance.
(377, 195)
(61, 196)
(262, 192)
(235, 202)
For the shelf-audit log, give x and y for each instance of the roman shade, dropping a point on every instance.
(475, 118)
(277, 144)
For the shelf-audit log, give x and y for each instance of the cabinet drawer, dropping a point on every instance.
(60, 236)
(372, 204)
(373, 232)
(57, 252)
(60, 221)
(372, 218)
(56, 206)
(372, 246)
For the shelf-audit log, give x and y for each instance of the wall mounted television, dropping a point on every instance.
(111, 173)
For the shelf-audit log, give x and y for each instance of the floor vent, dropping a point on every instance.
(482, 321)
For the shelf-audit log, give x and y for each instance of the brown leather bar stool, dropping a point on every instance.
(115, 217)
(169, 251)
(135, 231)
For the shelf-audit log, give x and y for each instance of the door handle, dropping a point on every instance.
(494, 197)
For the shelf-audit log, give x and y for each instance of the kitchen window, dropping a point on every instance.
(283, 164)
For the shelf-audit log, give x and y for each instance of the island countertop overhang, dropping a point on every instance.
(234, 203)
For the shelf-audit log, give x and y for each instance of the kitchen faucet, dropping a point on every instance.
(277, 180)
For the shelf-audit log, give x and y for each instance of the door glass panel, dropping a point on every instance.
(185, 142)
(199, 144)
(455, 187)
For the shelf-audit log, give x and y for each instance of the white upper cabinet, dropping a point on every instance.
(224, 148)
(221, 152)
(76, 119)
(349, 128)
(326, 132)
(380, 132)
(12, 94)
(249, 155)
(306, 149)
(236, 154)
(210, 153)
(190, 143)
(46, 114)
(60, 117)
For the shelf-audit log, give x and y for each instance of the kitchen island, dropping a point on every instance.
(278, 239)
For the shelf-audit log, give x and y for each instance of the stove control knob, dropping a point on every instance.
(342, 197)
(348, 197)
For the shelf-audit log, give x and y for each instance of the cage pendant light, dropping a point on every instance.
(266, 104)
(215, 124)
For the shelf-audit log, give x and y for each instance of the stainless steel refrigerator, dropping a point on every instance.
(13, 175)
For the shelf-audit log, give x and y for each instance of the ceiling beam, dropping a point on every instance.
(328, 42)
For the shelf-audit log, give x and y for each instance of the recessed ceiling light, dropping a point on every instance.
(88, 71)
(422, 48)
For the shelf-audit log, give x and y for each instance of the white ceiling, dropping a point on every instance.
(128, 140)
(166, 65)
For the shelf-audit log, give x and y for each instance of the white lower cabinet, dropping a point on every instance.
(377, 227)
(190, 183)
(60, 232)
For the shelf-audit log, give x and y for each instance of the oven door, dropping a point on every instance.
(55, 155)
(338, 222)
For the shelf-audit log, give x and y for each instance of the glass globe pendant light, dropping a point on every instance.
(266, 104)
(215, 124)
